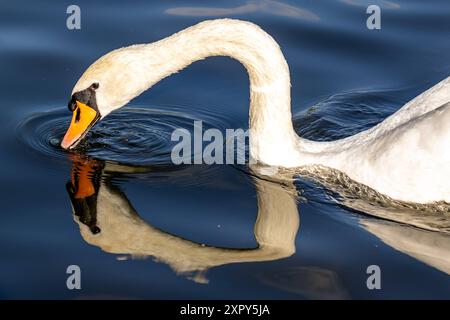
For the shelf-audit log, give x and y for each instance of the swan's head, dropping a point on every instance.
(83, 105)
(108, 84)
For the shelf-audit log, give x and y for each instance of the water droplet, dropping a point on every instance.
(55, 142)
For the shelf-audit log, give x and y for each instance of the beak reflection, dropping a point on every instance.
(83, 190)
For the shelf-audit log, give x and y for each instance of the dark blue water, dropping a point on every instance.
(188, 231)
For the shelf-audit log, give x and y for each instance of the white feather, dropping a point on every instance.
(406, 157)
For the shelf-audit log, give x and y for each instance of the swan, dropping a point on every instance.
(406, 157)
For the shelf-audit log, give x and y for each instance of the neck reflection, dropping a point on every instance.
(108, 220)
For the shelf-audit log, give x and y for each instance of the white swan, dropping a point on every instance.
(406, 157)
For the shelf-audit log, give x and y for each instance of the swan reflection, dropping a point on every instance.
(108, 220)
(421, 231)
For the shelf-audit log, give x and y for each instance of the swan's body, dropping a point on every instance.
(406, 157)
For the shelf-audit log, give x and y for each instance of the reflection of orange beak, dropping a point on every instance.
(83, 189)
(83, 175)
(84, 117)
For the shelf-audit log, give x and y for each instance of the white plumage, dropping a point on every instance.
(406, 157)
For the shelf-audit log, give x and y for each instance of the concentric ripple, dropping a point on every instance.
(132, 135)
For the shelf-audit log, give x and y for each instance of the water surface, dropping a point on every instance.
(209, 231)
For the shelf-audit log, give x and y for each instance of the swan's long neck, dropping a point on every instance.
(125, 73)
(271, 136)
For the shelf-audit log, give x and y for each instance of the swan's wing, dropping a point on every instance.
(433, 98)
(427, 101)
(410, 162)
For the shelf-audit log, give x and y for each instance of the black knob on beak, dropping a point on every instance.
(72, 105)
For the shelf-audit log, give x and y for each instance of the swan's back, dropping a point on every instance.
(406, 157)
(430, 100)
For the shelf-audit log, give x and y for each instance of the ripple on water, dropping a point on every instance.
(345, 114)
(134, 135)
(138, 136)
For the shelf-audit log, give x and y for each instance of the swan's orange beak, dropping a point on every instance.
(84, 117)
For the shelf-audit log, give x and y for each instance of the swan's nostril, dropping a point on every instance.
(77, 117)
